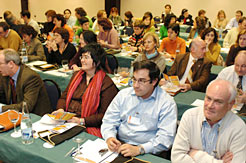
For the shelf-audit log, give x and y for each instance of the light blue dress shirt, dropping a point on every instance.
(232, 23)
(14, 77)
(148, 122)
(210, 136)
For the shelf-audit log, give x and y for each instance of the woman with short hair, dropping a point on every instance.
(108, 36)
(34, 47)
(89, 92)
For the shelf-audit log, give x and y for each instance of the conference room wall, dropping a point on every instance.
(39, 7)
(139, 7)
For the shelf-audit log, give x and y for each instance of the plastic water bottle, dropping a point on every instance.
(23, 53)
(220, 32)
(26, 126)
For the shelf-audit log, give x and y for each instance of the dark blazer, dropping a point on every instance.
(201, 71)
(29, 88)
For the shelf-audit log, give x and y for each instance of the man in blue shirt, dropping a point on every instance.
(141, 119)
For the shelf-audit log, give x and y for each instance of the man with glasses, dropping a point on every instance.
(141, 119)
(19, 83)
(8, 37)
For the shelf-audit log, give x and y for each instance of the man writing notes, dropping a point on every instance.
(141, 119)
(192, 68)
(19, 83)
(212, 133)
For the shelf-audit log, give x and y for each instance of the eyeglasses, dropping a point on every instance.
(84, 57)
(140, 81)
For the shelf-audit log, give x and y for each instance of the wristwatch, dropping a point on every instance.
(82, 123)
(141, 150)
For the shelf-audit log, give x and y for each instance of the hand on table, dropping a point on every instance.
(76, 120)
(185, 87)
(57, 111)
(113, 144)
(129, 150)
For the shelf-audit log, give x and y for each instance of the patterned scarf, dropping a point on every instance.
(90, 99)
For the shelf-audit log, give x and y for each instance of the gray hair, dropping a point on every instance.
(11, 55)
(231, 88)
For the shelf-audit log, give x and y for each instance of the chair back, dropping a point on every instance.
(53, 90)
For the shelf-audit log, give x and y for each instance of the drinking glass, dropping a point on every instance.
(14, 117)
(78, 140)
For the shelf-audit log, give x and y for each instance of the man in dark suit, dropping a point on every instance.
(19, 83)
(192, 68)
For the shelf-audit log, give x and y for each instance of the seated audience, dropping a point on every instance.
(167, 11)
(199, 26)
(209, 35)
(49, 25)
(147, 20)
(143, 118)
(185, 18)
(236, 74)
(100, 14)
(220, 22)
(169, 20)
(18, 83)
(70, 20)
(128, 23)
(192, 68)
(234, 21)
(151, 43)
(9, 38)
(114, 17)
(238, 46)
(173, 44)
(201, 13)
(86, 37)
(80, 12)
(34, 47)
(211, 133)
(26, 16)
(108, 36)
(60, 22)
(231, 36)
(59, 48)
(89, 92)
(13, 23)
(84, 26)
(136, 40)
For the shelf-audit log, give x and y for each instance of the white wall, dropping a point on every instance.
(12, 5)
(139, 7)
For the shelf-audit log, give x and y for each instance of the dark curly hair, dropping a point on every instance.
(28, 30)
(208, 30)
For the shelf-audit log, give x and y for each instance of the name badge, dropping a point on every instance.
(133, 120)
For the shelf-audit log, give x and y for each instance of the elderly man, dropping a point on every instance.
(8, 37)
(212, 133)
(236, 74)
(234, 21)
(192, 69)
(19, 83)
(231, 36)
(141, 119)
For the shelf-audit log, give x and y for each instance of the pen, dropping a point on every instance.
(76, 151)
(69, 152)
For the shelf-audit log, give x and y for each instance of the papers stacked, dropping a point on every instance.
(95, 152)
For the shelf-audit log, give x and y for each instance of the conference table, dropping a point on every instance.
(12, 150)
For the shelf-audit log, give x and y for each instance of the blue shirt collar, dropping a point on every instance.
(15, 76)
